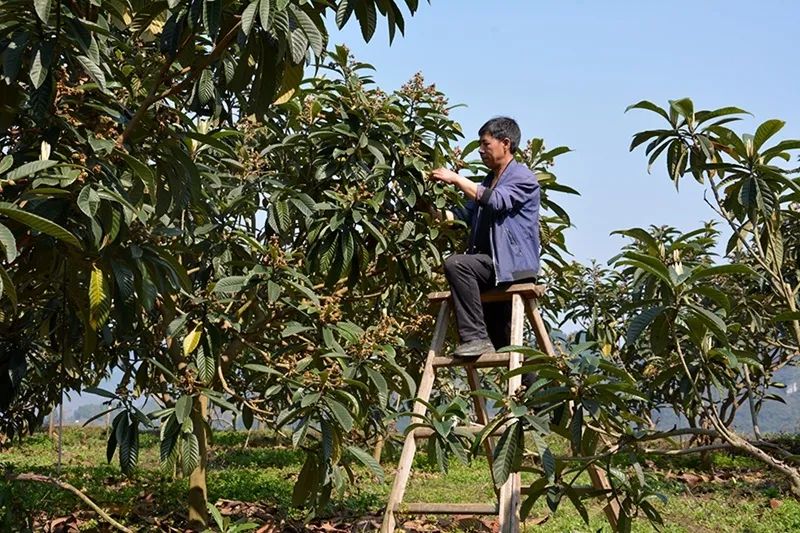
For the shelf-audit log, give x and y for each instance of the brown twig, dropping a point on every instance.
(191, 73)
(66, 486)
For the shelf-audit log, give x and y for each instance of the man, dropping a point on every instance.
(502, 213)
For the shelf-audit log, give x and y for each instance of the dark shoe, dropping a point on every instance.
(474, 348)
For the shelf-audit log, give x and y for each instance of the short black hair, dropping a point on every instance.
(502, 128)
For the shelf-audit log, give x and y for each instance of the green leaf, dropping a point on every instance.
(647, 263)
(367, 18)
(408, 227)
(307, 480)
(205, 87)
(28, 169)
(143, 171)
(191, 453)
(719, 270)
(341, 414)
(9, 243)
(711, 320)
(111, 445)
(273, 291)
(39, 70)
(368, 461)
(129, 448)
(787, 316)
(40, 224)
(206, 365)
(247, 416)
(94, 71)
(101, 392)
(6, 163)
(576, 430)
(42, 8)
(88, 201)
(640, 322)
(231, 284)
(343, 12)
(183, 408)
(263, 13)
(249, 16)
(766, 130)
(506, 453)
(312, 33)
(683, 107)
(294, 328)
(7, 287)
(650, 106)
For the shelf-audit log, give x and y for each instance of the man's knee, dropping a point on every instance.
(453, 264)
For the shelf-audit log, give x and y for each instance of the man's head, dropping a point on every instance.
(499, 139)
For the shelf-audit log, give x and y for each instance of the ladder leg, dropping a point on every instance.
(480, 414)
(510, 491)
(410, 445)
(539, 329)
(597, 475)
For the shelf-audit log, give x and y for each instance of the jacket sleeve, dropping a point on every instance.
(465, 213)
(508, 196)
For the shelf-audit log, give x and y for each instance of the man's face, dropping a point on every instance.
(492, 150)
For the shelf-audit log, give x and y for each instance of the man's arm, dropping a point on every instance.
(469, 187)
(507, 195)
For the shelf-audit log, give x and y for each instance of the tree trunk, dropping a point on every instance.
(378, 451)
(198, 514)
(51, 430)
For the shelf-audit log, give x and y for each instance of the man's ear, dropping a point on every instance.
(507, 144)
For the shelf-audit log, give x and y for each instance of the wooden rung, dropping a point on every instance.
(425, 433)
(526, 290)
(446, 508)
(483, 361)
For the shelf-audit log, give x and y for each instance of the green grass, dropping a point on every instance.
(735, 499)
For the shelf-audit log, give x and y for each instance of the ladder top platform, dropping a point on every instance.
(526, 290)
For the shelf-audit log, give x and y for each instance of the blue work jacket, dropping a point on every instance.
(513, 208)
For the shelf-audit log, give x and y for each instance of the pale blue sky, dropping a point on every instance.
(567, 71)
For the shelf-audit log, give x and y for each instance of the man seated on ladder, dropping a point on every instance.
(502, 213)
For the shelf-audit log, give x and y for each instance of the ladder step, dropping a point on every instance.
(526, 290)
(483, 361)
(425, 433)
(446, 508)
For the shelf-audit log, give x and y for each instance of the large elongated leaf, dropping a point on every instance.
(341, 414)
(93, 70)
(649, 106)
(192, 339)
(39, 223)
(507, 453)
(28, 169)
(99, 298)
(42, 8)
(249, 17)
(640, 322)
(367, 460)
(190, 453)
(719, 270)
(9, 243)
(7, 286)
(766, 130)
(231, 284)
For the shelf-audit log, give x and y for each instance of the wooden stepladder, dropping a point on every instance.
(524, 301)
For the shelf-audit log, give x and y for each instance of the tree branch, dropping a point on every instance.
(191, 72)
(66, 486)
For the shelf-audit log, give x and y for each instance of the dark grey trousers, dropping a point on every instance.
(468, 276)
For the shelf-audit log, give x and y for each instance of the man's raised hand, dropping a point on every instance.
(445, 175)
